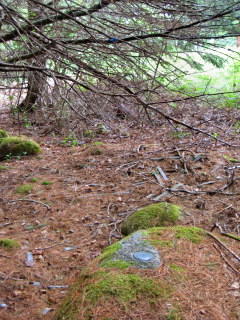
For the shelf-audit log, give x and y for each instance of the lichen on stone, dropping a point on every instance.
(155, 215)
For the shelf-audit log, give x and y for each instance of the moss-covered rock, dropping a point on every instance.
(17, 146)
(3, 134)
(154, 215)
(103, 286)
(182, 285)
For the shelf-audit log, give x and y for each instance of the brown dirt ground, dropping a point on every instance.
(91, 195)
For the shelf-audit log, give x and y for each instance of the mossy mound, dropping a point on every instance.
(154, 215)
(17, 146)
(3, 134)
(98, 290)
(191, 278)
(8, 243)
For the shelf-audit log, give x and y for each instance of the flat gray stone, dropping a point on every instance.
(143, 256)
(136, 246)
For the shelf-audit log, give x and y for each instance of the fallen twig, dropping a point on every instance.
(28, 200)
(201, 192)
(222, 244)
(229, 235)
(2, 255)
(225, 259)
(5, 224)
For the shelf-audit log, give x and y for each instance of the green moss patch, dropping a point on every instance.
(3, 134)
(2, 168)
(16, 146)
(195, 235)
(25, 189)
(47, 183)
(155, 215)
(94, 151)
(124, 287)
(115, 264)
(108, 253)
(8, 243)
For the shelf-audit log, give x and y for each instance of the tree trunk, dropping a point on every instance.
(35, 89)
(36, 80)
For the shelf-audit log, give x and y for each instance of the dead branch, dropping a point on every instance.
(225, 259)
(223, 245)
(28, 200)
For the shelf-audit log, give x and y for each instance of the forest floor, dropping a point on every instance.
(91, 188)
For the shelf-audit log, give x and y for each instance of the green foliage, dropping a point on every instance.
(180, 132)
(95, 151)
(211, 81)
(3, 134)
(155, 215)
(2, 168)
(16, 146)
(25, 189)
(233, 160)
(46, 183)
(89, 134)
(8, 243)
(34, 180)
(70, 140)
(214, 59)
(97, 143)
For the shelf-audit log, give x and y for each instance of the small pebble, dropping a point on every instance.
(46, 310)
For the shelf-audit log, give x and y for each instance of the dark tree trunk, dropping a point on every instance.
(37, 83)
(35, 90)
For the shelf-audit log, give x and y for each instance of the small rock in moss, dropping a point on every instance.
(8, 243)
(17, 146)
(155, 215)
(3, 134)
